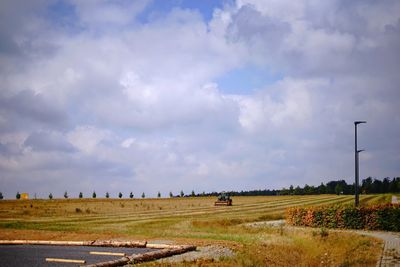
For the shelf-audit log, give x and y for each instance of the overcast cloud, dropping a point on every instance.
(128, 96)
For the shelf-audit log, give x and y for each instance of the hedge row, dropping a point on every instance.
(378, 217)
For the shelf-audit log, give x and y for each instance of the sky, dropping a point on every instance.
(149, 96)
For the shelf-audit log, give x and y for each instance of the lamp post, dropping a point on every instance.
(356, 152)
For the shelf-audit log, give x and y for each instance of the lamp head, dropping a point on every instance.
(359, 122)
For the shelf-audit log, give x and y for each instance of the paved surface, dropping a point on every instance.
(35, 255)
(391, 247)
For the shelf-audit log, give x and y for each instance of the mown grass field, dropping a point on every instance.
(189, 220)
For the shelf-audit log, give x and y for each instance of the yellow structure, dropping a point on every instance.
(24, 196)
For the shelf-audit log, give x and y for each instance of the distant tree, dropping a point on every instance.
(94, 194)
(158, 194)
(193, 193)
(385, 185)
(307, 189)
(298, 191)
(1, 195)
(143, 195)
(18, 195)
(182, 194)
(170, 194)
(65, 194)
(80, 195)
(377, 186)
(366, 186)
(107, 195)
(397, 184)
(338, 189)
(120, 195)
(50, 196)
(392, 186)
(330, 187)
(284, 192)
(131, 195)
(321, 189)
(291, 190)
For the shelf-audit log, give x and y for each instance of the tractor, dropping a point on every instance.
(223, 200)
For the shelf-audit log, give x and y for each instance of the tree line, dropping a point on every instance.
(368, 186)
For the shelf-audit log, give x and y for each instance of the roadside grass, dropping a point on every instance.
(295, 247)
(198, 221)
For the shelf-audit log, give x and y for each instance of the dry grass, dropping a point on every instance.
(193, 220)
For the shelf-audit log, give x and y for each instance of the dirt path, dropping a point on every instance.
(394, 200)
(390, 256)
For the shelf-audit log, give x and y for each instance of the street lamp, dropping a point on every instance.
(356, 152)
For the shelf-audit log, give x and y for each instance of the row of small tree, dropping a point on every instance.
(107, 195)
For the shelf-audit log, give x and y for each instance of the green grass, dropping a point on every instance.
(152, 216)
(193, 220)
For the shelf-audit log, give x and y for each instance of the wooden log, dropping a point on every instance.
(153, 255)
(107, 253)
(99, 243)
(45, 242)
(112, 243)
(161, 246)
(64, 260)
(120, 262)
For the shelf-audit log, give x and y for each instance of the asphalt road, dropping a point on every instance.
(35, 255)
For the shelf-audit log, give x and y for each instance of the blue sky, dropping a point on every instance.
(149, 96)
(205, 8)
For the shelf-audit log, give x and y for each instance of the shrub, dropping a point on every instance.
(107, 195)
(50, 196)
(131, 195)
(1, 195)
(94, 194)
(65, 194)
(120, 195)
(376, 217)
(80, 195)
(18, 195)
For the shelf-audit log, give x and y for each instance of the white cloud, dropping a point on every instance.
(140, 104)
(87, 138)
(128, 142)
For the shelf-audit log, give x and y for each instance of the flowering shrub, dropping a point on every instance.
(376, 217)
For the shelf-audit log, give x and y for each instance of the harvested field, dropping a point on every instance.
(181, 220)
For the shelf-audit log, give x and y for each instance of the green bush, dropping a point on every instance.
(378, 217)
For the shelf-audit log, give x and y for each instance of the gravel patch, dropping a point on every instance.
(276, 223)
(202, 253)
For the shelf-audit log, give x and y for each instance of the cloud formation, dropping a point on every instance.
(94, 97)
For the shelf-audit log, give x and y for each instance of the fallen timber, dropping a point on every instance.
(64, 260)
(148, 256)
(165, 250)
(95, 243)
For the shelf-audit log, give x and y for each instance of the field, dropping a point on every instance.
(196, 221)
